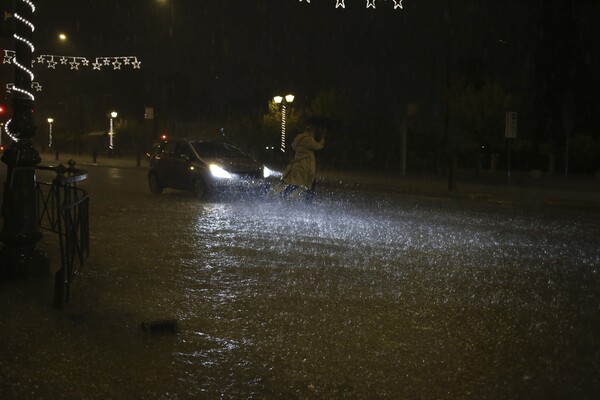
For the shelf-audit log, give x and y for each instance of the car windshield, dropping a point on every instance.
(217, 150)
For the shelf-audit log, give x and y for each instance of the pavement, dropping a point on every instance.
(512, 309)
(582, 192)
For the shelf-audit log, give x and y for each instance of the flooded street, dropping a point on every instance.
(364, 294)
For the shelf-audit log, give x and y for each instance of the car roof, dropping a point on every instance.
(184, 139)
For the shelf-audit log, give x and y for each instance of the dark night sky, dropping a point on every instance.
(239, 53)
(220, 57)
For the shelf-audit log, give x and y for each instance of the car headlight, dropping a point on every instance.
(219, 172)
(269, 172)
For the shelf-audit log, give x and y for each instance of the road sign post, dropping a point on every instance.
(510, 132)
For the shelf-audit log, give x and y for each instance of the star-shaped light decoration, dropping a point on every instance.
(63, 60)
(370, 3)
(52, 63)
(97, 65)
(74, 64)
(116, 64)
(126, 60)
(136, 64)
(8, 57)
(40, 59)
(34, 85)
(106, 61)
(85, 62)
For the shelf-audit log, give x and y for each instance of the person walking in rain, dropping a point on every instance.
(301, 172)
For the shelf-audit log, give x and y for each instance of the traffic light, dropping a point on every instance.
(5, 112)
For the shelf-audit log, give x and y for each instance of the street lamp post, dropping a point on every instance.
(111, 132)
(288, 99)
(19, 256)
(168, 85)
(50, 121)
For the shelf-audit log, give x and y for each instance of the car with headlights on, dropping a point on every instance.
(205, 167)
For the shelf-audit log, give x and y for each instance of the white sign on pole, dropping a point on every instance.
(511, 125)
(149, 113)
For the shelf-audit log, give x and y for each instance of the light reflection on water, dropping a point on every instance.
(361, 295)
(292, 281)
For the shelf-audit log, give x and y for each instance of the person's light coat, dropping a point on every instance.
(303, 169)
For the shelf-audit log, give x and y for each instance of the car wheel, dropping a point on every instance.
(154, 183)
(199, 188)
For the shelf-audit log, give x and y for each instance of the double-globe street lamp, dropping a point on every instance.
(288, 99)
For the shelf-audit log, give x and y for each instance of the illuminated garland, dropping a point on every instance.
(370, 3)
(34, 85)
(20, 19)
(23, 90)
(52, 61)
(283, 128)
(26, 83)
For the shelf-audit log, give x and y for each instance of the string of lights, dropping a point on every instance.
(370, 3)
(24, 86)
(74, 62)
(283, 128)
(34, 85)
(23, 21)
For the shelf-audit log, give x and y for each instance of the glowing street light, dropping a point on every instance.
(50, 121)
(283, 101)
(111, 132)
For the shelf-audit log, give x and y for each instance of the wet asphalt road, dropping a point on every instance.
(365, 294)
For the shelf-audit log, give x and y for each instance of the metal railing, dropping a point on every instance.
(63, 208)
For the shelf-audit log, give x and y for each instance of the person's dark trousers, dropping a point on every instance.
(288, 190)
(310, 193)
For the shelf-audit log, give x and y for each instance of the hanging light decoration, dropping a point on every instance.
(73, 63)
(52, 60)
(370, 3)
(25, 72)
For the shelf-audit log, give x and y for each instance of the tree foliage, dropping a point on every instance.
(479, 112)
(332, 105)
